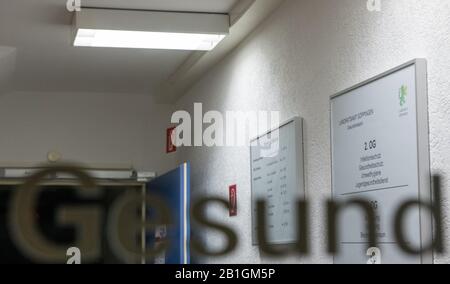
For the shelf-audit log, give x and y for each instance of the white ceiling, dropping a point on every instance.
(46, 61)
(211, 6)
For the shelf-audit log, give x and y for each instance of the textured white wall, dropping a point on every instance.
(7, 66)
(91, 128)
(305, 52)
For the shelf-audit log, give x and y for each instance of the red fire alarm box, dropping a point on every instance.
(233, 200)
(170, 145)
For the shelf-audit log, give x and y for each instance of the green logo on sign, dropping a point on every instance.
(403, 93)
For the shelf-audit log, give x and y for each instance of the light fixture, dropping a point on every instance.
(149, 29)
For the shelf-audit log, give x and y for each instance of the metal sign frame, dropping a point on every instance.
(300, 179)
(423, 148)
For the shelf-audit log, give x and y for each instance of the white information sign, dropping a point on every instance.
(380, 153)
(277, 177)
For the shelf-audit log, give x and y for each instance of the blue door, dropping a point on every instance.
(173, 189)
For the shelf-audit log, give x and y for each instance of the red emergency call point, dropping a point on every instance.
(233, 200)
(170, 145)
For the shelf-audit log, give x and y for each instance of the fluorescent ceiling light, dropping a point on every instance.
(153, 40)
(153, 30)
